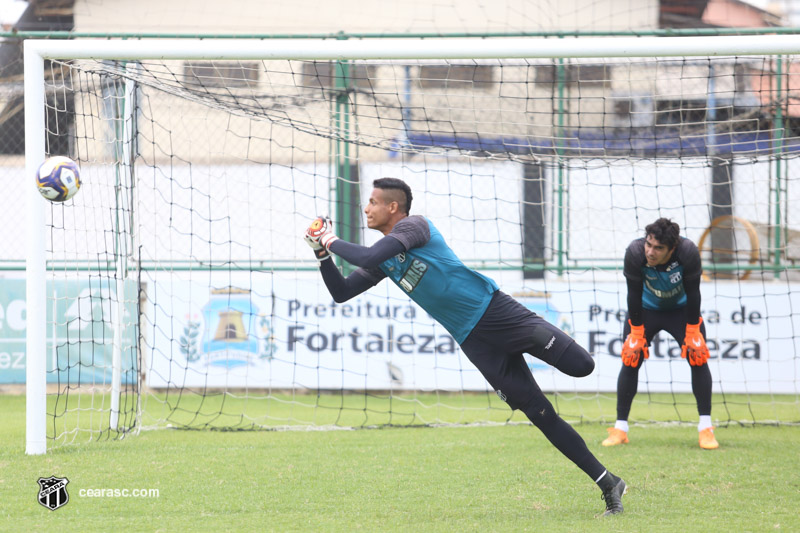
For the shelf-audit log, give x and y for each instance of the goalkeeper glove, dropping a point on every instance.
(319, 237)
(694, 345)
(635, 345)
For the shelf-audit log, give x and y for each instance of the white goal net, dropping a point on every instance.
(179, 291)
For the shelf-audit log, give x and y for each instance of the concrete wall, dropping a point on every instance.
(363, 16)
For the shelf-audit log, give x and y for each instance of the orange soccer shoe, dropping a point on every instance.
(707, 439)
(616, 436)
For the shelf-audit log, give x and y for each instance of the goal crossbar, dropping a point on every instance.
(457, 48)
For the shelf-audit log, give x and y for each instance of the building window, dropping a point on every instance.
(574, 74)
(479, 77)
(685, 112)
(222, 74)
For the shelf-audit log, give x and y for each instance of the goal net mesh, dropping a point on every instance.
(182, 258)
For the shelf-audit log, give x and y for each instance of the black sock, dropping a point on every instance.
(608, 481)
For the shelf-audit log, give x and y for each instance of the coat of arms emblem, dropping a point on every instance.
(53, 492)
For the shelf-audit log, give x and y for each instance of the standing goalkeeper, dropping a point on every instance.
(492, 328)
(663, 272)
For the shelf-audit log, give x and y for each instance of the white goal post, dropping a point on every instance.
(36, 52)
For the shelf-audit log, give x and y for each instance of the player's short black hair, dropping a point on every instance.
(396, 184)
(664, 231)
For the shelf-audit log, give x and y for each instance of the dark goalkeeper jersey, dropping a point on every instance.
(662, 285)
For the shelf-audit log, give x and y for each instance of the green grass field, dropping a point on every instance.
(493, 478)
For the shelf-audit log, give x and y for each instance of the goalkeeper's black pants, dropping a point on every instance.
(495, 346)
(674, 323)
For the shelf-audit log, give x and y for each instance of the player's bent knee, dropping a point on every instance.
(575, 361)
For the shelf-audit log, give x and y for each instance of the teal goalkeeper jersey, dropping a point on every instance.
(435, 278)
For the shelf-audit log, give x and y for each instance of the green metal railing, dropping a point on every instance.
(778, 149)
(561, 209)
(347, 187)
(289, 265)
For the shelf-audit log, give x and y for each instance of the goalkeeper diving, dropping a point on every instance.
(493, 329)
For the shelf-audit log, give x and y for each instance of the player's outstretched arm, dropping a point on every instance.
(341, 288)
(321, 238)
(368, 256)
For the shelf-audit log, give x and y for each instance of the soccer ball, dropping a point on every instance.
(58, 178)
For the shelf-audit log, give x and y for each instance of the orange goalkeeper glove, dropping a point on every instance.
(694, 345)
(635, 346)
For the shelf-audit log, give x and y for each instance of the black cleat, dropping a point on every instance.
(613, 497)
